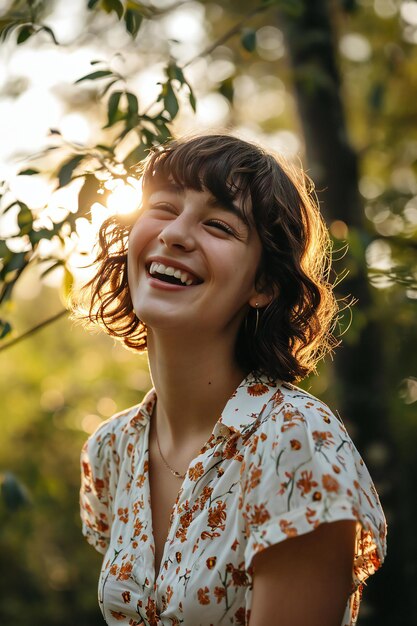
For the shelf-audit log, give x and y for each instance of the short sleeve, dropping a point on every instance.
(95, 498)
(300, 470)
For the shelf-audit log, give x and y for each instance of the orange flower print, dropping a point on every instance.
(219, 594)
(152, 612)
(202, 595)
(336, 469)
(330, 484)
(240, 616)
(138, 527)
(258, 389)
(317, 496)
(126, 597)
(118, 615)
(125, 571)
(287, 528)
(259, 516)
(211, 562)
(239, 576)
(323, 439)
(102, 524)
(295, 444)
(86, 469)
(291, 417)
(253, 444)
(113, 570)
(235, 545)
(306, 482)
(277, 398)
(230, 448)
(217, 516)
(185, 521)
(205, 495)
(123, 515)
(255, 477)
(196, 471)
(99, 485)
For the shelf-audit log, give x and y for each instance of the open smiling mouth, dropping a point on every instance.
(172, 275)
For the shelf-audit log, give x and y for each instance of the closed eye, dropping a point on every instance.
(221, 226)
(162, 206)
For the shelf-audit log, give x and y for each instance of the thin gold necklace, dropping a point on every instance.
(174, 472)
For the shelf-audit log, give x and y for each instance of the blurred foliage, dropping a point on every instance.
(49, 405)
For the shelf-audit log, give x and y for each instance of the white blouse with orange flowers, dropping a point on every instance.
(278, 464)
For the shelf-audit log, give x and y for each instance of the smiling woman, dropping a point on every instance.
(228, 490)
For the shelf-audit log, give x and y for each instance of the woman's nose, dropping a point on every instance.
(178, 233)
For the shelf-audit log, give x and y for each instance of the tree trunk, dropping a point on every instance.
(359, 365)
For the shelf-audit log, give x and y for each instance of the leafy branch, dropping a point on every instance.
(142, 128)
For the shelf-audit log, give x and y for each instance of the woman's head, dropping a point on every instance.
(287, 336)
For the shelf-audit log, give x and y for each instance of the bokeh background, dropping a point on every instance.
(330, 83)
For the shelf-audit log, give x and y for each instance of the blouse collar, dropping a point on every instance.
(241, 411)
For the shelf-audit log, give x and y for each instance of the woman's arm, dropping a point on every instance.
(305, 580)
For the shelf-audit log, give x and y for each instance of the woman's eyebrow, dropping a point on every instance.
(230, 207)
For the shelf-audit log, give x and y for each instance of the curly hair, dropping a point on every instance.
(296, 329)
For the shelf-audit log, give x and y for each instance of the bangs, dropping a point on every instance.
(221, 172)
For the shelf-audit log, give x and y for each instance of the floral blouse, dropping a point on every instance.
(277, 464)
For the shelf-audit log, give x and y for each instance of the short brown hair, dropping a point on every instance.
(295, 329)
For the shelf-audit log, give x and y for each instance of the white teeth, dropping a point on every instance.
(160, 268)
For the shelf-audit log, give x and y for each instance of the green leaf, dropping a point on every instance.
(227, 89)
(24, 33)
(36, 236)
(24, 219)
(50, 32)
(133, 20)
(92, 3)
(29, 172)
(67, 283)
(248, 39)
(66, 170)
(17, 261)
(132, 104)
(90, 193)
(4, 250)
(192, 99)
(95, 75)
(174, 72)
(9, 206)
(137, 154)
(113, 5)
(170, 100)
(113, 107)
(5, 329)
(55, 264)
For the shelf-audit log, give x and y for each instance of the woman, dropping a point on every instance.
(229, 495)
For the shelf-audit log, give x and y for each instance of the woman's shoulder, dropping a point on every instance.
(282, 404)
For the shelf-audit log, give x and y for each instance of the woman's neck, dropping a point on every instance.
(193, 381)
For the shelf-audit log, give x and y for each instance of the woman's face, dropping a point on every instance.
(192, 263)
